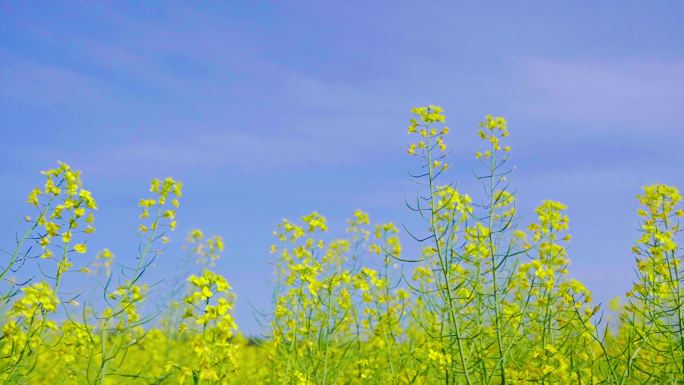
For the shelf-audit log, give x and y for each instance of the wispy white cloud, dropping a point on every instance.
(641, 91)
(39, 84)
(238, 151)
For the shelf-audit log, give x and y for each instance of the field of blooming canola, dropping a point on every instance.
(486, 301)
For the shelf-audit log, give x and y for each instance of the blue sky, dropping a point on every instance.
(270, 110)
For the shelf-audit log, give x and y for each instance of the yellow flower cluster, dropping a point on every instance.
(127, 296)
(430, 137)
(65, 212)
(38, 297)
(493, 129)
(209, 306)
(163, 190)
(207, 251)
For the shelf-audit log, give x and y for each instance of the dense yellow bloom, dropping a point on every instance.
(466, 296)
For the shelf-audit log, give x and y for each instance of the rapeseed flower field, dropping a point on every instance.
(488, 300)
